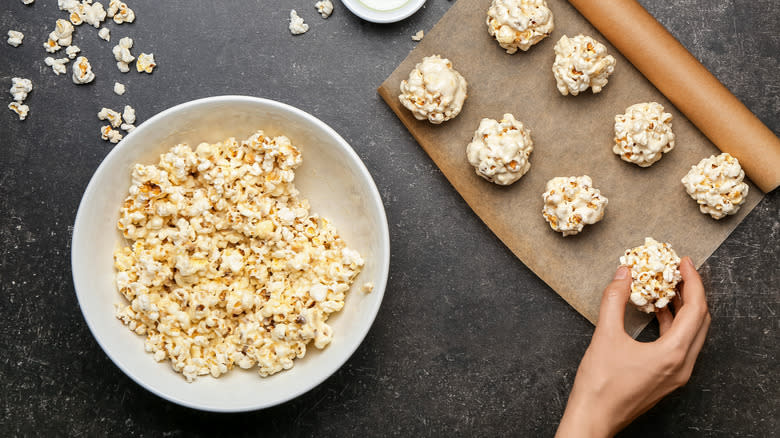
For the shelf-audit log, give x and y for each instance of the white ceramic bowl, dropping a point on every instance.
(338, 187)
(383, 11)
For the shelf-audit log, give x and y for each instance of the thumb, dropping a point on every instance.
(613, 302)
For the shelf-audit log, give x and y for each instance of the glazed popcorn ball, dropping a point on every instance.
(82, 71)
(655, 274)
(643, 134)
(581, 62)
(226, 266)
(499, 150)
(716, 185)
(434, 90)
(519, 24)
(15, 38)
(572, 202)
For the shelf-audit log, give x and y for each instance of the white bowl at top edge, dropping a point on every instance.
(364, 9)
(333, 179)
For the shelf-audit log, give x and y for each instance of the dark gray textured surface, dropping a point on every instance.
(468, 340)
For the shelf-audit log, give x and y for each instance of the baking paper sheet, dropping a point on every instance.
(573, 135)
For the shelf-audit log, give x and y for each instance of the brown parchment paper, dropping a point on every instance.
(573, 135)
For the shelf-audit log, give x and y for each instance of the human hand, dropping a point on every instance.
(619, 378)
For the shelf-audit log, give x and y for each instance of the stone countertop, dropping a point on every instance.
(468, 342)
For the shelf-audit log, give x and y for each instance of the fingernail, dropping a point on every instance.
(622, 273)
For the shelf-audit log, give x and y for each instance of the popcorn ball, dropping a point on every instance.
(655, 273)
(434, 90)
(519, 24)
(499, 150)
(225, 264)
(581, 62)
(643, 134)
(572, 202)
(716, 185)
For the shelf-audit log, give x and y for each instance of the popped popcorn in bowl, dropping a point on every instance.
(225, 264)
(331, 177)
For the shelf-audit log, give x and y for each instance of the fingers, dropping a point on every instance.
(693, 311)
(665, 318)
(613, 302)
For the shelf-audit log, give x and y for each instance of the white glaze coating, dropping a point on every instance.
(572, 202)
(519, 24)
(499, 150)
(434, 90)
(716, 183)
(655, 273)
(581, 62)
(643, 134)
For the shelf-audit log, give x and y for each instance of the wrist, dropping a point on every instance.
(583, 418)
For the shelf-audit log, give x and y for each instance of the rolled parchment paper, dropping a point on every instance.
(706, 102)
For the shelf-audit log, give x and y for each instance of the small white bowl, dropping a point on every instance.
(338, 187)
(383, 11)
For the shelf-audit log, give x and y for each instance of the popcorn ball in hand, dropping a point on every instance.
(716, 184)
(572, 202)
(519, 24)
(655, 271)
(499, 150)
(581, 62)
(434, 90)
(643, 134)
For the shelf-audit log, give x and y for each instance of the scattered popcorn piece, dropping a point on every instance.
(20, 87)
(110, 134)
(72, 51)
(93, 14)
(112, 116)
(119, 88)
(51, 45)
(324, 7)
(145, 63)
(76, 10)
(122, 54)
(105, 33)
(129, 114)
(82, 71)
(58, 65)
(127, 127)
(15, 38)
(226, 267)
(297, 26)
(418, 36)
(581, 62)
(28, 2)
(20, 109)
(499, 151)
(434, 90)
(63, 33)
(519, 24)
(120, 12)
(368, 287)
(572, 202)
(655, 273)
(716, 183)
(643, 134)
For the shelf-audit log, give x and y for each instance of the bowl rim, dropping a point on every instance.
(360, 9)
(383, 250)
